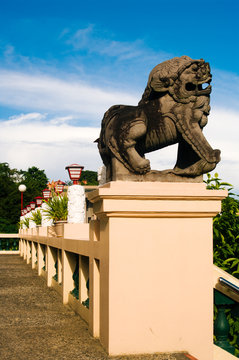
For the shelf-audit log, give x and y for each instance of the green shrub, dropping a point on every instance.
(26, 222)
(225, 228)
(36, 217)
(226, 244)
(57, 208)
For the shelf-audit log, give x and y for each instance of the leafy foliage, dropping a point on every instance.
(226, 244)
(214, 183)
(35, 181)
(26, 222)
(20, 224)
(57, 207)
(10, 197)
(225, 228)
(9, 244)
(6, 227)
(36, 217)
(89, 177)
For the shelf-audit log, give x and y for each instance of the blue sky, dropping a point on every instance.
(63, 63)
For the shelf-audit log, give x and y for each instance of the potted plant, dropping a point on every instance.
(26, 222)
(20, 226)
(57, 211)
(24, 225)
(36, 217)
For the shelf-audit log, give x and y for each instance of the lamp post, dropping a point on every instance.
(74, 171)
(33, 205)
(76, 195)
(38, 200)
(22, 188)
(59, 186)
(46, 193)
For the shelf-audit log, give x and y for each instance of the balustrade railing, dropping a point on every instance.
(69, 263)
(63, 261)
(9, 243)
(75, 277)
(226, 315)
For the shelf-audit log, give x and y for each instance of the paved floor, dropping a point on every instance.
(34, 324)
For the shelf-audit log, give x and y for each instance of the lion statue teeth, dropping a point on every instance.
(173, 109)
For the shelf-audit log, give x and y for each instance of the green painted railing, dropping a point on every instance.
(75, 291)
(9, 242)
(226, 317)
(44, 261)
(55, 277)
(87, 301)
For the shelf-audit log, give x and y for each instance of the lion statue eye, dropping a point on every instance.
(195, 67)
(190, 86)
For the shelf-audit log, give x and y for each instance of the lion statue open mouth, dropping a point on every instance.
(173, 109)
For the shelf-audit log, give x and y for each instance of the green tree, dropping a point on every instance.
(90, 177)
(225, 228)
(10, 197)
(226, 244)
(35, 181)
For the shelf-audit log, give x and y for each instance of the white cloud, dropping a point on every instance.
(222, 133)
(51, 144)
(97, 44)
(91, 40)
(9, 51)
(24, 118)
(45, 93)
(61, 120)
(81, 37)
(36, 130)
(29, 140)
(225, 90)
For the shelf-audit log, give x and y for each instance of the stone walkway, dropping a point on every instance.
(36, 325)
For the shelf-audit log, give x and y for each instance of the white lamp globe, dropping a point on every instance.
(22, 188)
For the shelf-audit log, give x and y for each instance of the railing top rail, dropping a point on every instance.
(225, 283)
(229, 285)
(9, 236)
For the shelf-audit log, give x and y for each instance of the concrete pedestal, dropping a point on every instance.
(156, 266)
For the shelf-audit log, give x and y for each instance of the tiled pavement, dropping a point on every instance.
(34, 324)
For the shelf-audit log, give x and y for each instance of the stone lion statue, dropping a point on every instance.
(173, 109)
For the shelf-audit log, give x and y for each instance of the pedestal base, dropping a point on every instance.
(156, 267)
(121, 173)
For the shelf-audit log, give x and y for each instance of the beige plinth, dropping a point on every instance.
(156, 274)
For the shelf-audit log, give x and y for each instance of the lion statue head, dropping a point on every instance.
(182, 77)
